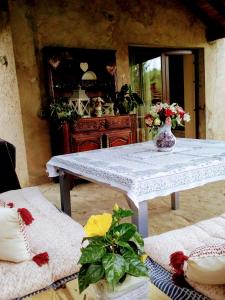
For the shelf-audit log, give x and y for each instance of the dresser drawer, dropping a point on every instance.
(117, 122)
(89, 124)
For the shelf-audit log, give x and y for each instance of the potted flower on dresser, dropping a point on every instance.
(113, 259)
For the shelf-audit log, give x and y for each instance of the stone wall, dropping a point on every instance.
(11, 127)
(97, 24)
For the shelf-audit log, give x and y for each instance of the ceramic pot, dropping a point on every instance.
(133, 288)
(165, 139)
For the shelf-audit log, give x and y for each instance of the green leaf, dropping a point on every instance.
(125, 230)
(138, 241)
(130, 255)
(174, 123)
(89, 274)
(82, 280)
(122, 213)
(136, 267)
(125, 245)
(114, 266)
(92, 253)
(95, 273)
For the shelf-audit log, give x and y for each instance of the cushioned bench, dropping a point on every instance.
(51, 231)
(208, 232)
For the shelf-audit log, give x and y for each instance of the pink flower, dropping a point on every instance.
(181, 112)
(168, 121)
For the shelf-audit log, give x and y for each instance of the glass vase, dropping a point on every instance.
(165, 140)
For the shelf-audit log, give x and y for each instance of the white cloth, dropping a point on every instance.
(144, 173)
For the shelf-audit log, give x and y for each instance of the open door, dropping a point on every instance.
(167, 76)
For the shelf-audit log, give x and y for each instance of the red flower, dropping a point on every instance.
(148, 120)
(168, 112)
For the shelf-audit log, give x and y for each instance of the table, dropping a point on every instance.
(141, 172)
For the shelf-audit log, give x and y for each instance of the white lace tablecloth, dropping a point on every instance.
(144, 173)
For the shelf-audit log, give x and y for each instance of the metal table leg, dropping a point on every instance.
(175, 203)
(64, 180)
(140, 217)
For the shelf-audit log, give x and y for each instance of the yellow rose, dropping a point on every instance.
(98, 225)
(143, 257)
(157, 122)
(116, 207)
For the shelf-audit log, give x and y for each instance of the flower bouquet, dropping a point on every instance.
(115, 252)
(160, 119)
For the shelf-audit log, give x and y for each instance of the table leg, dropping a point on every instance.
(140, 217)
(64, 181)
(175, 203)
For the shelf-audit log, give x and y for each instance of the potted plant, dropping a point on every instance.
(62, 117)
(114, 258)
(61, 111)
(127, 100)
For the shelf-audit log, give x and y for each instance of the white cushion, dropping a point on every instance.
(14, 246)
(206, 265)
(187, 239)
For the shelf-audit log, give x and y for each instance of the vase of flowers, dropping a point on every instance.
(161, 118)
(113, 259)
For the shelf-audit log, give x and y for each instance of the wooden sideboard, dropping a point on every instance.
(95, 133)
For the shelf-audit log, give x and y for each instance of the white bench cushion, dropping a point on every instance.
(51, 231)
(186, 239)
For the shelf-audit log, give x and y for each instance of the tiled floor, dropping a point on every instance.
(195, 204)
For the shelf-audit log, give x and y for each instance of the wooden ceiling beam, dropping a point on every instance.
(219, 6)
(214, 30)
(192, 5)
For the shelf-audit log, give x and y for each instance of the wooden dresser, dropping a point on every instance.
(96, 133)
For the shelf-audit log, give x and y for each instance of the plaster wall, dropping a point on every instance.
(11, 127)
(215, 90)
(94, 24)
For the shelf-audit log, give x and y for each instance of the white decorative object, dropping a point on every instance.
(133, 288)
(89, 75)
(80, 103)
(107, 109)
(97, 109)
(84, 66)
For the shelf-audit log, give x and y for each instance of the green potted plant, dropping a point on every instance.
(61, 111)
(127, 100)
(113, 258)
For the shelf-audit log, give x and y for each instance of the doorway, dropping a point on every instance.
(165, 75)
